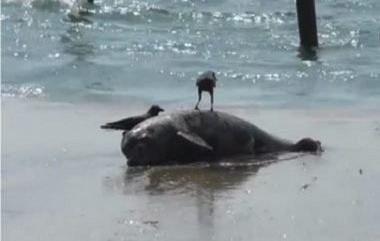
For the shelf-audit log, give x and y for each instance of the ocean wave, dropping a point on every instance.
(116, 48)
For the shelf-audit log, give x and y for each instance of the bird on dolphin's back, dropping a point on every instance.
(206, 82)
(130, 122)
(192, 136)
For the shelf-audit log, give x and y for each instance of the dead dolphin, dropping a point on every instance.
(188, 136)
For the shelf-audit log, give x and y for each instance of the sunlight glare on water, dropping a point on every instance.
(118, 48)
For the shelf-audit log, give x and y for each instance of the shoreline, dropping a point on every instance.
(63, 176)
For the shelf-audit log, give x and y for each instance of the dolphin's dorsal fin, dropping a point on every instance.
(196, 140)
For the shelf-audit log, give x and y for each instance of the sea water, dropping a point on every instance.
(152, 51)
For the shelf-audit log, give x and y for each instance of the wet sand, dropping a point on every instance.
(65, 179)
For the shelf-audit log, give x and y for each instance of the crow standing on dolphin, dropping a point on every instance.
(130, 122)
(206, 82)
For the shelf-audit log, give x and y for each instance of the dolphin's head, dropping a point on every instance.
(140, 150)
(143, 146)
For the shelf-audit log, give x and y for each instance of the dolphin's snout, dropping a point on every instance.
(319, 147)
(136, 155)
(132, 162)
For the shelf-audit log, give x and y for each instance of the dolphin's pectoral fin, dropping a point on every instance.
(196, 140)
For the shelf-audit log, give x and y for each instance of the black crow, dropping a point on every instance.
(206, 82)
(130, 122)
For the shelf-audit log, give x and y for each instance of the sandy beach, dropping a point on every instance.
(63, 178)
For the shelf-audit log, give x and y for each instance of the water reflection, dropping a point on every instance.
(194, 179)
(306, 53)
(198, 188)
(200, 194)
(76, 43)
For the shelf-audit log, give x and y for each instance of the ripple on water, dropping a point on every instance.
(245, 43)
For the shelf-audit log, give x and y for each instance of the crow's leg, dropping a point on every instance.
(199, 98)
(212, 99)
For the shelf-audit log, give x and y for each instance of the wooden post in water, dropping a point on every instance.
(307, 23)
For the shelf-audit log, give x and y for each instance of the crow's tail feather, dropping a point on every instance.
(112, 126)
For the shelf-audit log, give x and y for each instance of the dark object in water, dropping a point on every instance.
(192, 136)
(307, 23)
(206, 82)
(130, 122)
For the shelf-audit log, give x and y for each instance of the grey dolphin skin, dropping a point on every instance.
(130, 122)
(206, 82)
(190, 136)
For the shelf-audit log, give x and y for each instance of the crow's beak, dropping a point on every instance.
(160, 109)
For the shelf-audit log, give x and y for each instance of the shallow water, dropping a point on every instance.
(152, 51)
(64, 188)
